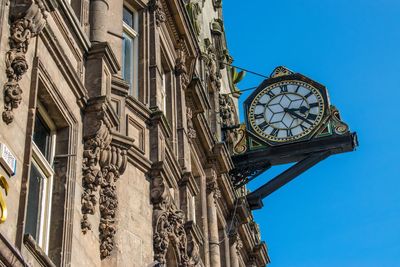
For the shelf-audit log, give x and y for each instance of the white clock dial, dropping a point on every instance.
(286, 111)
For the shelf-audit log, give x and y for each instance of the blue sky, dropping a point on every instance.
(346, 210)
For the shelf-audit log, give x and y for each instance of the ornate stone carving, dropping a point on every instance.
(217, 3)
(27, 20)
(156, 7)
(169, 228)
(191, 132)
(211, 62)
(212, 187)
(180, 65)
(194, 10)
(103, 163)
(226, 111)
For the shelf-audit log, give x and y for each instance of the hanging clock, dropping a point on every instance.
(286, 108)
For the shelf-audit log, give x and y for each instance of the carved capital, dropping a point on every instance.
(156, 7)
(212, 186)
(27, 20)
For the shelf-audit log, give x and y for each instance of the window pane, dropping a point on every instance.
(128, 17)
(127, 64)
(34, 197)
(41, 136)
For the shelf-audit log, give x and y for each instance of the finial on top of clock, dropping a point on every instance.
(281, 71)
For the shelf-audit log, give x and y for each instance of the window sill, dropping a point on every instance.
(37, 252)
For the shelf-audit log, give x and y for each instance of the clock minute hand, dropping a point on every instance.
(297, 115)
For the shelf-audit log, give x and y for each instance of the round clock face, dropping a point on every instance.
(286, 111)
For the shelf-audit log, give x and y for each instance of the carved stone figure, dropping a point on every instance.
(28, 18)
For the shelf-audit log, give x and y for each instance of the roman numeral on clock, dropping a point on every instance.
(311, 117)
(283, 88)
(289, 132)
(263, 125)
(303, 127)
(313, 105)
(274, 132)
(308, 95)
(271, 94)
(259, 116)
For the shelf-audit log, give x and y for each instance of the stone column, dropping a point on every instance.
(227, 250)
(235, 246)
(99, 19)
(213, 194)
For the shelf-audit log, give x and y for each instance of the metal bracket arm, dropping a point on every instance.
(255, 198)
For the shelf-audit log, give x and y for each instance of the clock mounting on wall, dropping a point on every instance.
(289, 119)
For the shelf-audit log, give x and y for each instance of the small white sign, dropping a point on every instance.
(7, 159)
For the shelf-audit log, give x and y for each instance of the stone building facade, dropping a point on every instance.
(119, 117)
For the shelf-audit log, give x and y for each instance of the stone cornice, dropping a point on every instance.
(139, 108)
(72, 22)
(204, 133)
(222, 157)
(158, 118)
(104, 51)
(194, 230)
(197, 95)
(189, 181)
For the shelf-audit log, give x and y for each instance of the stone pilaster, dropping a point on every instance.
(213, 194)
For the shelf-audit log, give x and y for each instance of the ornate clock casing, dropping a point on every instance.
(286, 108)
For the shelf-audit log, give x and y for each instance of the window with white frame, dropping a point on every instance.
(130, 49)
(41, 179)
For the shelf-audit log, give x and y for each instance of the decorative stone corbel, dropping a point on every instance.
(103, 163)
(169, 228)
(27, 18)
(156, 7)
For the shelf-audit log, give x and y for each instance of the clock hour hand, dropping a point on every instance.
(302, 109)
(291, 112)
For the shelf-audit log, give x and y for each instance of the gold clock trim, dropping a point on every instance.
(318, 120)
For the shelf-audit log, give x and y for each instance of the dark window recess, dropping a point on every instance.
(41, 136)
(128, 17)
(34, 199)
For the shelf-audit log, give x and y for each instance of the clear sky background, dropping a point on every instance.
(344, 212)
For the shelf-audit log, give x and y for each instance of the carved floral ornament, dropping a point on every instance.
(169, 228)
(103, 163)
(27, 18)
